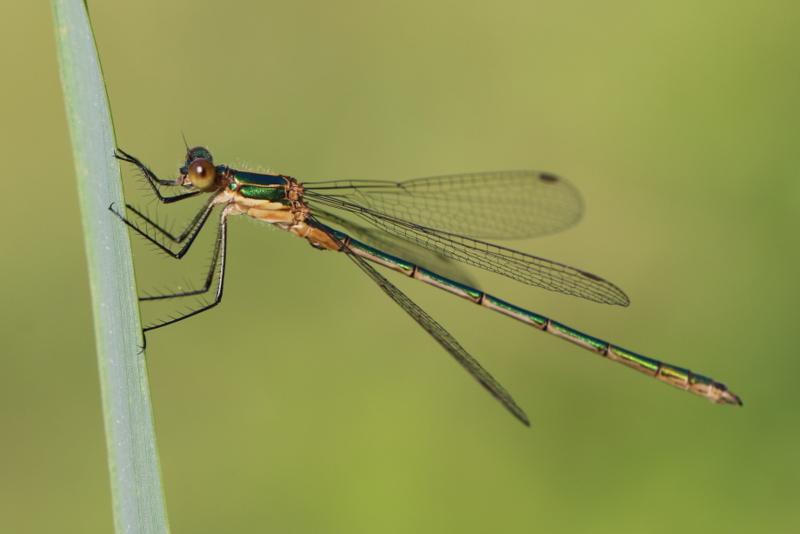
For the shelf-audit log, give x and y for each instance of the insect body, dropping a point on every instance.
(416, 229)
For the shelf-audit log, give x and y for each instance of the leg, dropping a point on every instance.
(191, 231)
(206, 285)
(218, 257)
(194, 230)
(152, 179)
(198, 220)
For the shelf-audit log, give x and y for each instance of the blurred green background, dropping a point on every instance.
(308, 402)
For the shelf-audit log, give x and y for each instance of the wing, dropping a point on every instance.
(390, 244)
(516, 265)
(489, 205)
(444, 338)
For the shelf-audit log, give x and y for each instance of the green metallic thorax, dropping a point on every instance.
(259, 186)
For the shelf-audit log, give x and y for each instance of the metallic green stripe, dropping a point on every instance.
(380, 255)
(539, 320)
(670, 372)
(580, 337)
(273, 194)
(636, 359)
(473, 293)
(700, 379)
(257, 178)
(336, 233)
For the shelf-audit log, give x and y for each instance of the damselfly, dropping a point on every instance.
(417, 227)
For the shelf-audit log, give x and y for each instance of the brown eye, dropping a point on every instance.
(202, 175)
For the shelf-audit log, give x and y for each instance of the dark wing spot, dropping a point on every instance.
(549, 178)
(592, 276)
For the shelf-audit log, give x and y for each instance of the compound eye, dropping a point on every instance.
(202, 174)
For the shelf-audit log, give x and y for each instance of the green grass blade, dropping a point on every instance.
(136, 487)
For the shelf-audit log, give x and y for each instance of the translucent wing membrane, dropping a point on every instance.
(390, 244)
(515, 265)
(444, 210)
(489, 205)
(444, 338)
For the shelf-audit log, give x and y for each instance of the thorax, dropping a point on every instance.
(272, 198)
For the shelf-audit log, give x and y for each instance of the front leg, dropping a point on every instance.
(152, 179)
(166, 233)
(191, 231)
(217, 267)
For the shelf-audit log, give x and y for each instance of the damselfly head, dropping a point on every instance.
(192, 154)
(203, 175)
(198, 152)
(199, 170)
